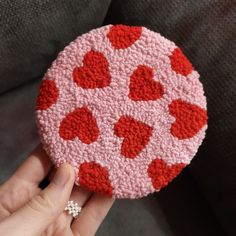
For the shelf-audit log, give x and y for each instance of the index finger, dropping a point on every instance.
(35, 167)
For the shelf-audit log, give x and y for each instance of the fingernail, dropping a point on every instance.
(62, 175)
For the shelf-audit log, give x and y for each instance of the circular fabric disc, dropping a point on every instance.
(125, 107)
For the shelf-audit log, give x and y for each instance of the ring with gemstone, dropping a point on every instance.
(73, 208)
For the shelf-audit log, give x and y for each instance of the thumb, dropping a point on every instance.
(44, 208)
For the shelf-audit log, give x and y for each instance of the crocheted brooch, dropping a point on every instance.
(125, 107)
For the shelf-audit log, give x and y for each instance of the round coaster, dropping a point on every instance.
(125, 107)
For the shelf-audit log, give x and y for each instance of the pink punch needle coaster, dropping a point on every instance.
(125, 107)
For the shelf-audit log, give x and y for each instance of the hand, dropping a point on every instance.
(25, 209)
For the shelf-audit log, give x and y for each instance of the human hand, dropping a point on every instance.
(25, 209)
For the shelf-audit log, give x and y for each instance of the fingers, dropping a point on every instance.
(23, 184)
(79, 195)
(44, 208)
(35, 167)
(92, 215)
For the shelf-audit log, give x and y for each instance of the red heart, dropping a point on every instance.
(79, 123)
(161, 174)
(94, 73)
(123, 36)
(95, 178)
(190, 119)
(135, 133)
(180, 63)
(143, 87)
(48, 94)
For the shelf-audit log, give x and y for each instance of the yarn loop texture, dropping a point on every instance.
(125, 107)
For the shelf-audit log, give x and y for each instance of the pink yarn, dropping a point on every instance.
(128, 177)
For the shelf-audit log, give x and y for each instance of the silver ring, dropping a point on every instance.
(73, 208)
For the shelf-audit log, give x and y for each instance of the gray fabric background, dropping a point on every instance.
(201, 201)
(32, 32)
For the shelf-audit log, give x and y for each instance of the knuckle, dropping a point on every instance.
(41, 203)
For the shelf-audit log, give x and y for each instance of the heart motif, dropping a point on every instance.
(180, 63)
(136, 135)
(190, 118)
(79, 123)
(143, 87)
(161, 174)
(95, 178)
(48, 94)
(123, 36)
(94, 73)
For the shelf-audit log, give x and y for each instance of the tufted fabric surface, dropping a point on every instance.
(125, 108)
(205, 31)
